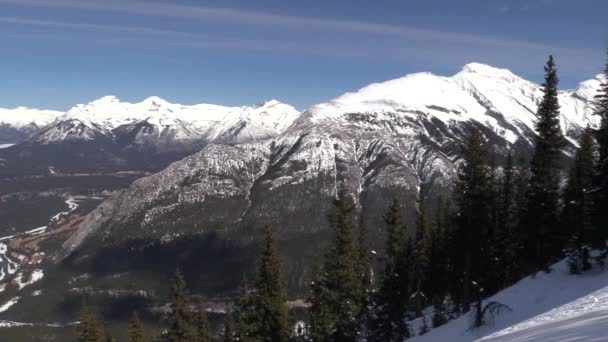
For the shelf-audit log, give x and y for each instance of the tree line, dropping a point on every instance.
(500, 224)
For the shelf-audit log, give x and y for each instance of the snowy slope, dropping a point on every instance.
(549, 301)
(584, 319)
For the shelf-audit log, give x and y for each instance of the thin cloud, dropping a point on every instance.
(94, 27)
(286, 21)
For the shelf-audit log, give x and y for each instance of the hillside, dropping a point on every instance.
(556, 306)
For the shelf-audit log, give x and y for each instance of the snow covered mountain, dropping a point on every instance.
(17, 125)
(154, 116)
(384, 140)
(108, 134)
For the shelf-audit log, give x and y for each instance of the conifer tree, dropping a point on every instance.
(578, 206)
(420, 267)
(229, 332)
(135, 330)
(365, 279)
(474, 220)
(335, 299)
(203, 329)
(508, 245)
(601, 181)
(392, 301)
(89, 329)
(247, 319)
(542, 215)
(180, 327)
(269, 297)
(439, 269)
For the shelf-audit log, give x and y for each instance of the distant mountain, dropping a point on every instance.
(108, 134)
(19, 124)
(384, 140)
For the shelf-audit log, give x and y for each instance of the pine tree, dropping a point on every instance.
(601, 181)
(89, 329)
(247, 319)
(420, 267)
(269, 297)
(578, 206)
(135, 330)
(439, 269)
(335, 299)
(392, 301)
(180, 327)
(473, 194)
(365, 279)
(508, 245)
(203, 329)
(542, 216)
(229, 333)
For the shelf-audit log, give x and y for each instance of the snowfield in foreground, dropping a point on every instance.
(554, 306)
(584, 319)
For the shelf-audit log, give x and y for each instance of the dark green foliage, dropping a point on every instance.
(420, 262)
(229, 331)
(601, 181)
(135, 330)
(508, 245)
(392, 301)
(578, 206)
(90, 329)
(336, 294)
(246, 315)
(542, 241)
(180, 327)
(269, 296)
(473, 237)
(203, 329)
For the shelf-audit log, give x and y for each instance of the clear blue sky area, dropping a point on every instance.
(57, 53)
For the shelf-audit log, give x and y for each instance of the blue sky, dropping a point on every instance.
(57, 53)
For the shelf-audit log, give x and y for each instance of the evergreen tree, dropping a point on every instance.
(180, 327)
(247, 319)
(542, 216)
(229, 332)
(578, 206)
(89, 329)
(601, 181)
(508, 245)
(392, 301)
(473, 194)
(439, 268)
(269, 296)
(135, 330)
(420, 267)
(336, 294)
(203, 329)
(365, 278)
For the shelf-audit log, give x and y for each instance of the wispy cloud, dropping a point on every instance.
(263, 19)
(93, 27)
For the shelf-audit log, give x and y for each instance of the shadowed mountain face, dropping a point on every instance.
(385, 140)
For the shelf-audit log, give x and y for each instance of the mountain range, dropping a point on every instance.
(385, 140)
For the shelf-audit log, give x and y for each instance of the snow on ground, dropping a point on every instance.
(584, 319)
(34, 277)
(5, 146)
(534, 296)
(8, 304)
